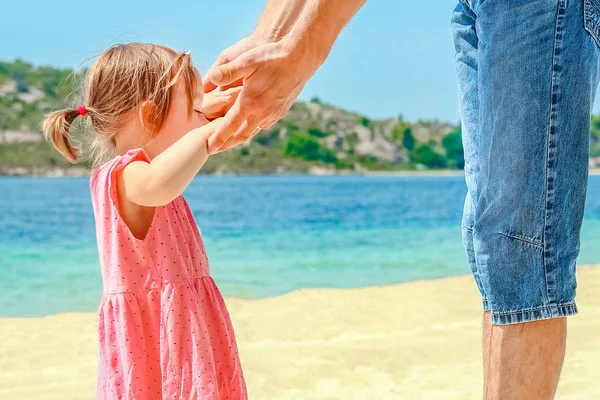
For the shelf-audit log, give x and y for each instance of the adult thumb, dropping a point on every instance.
(226, 74)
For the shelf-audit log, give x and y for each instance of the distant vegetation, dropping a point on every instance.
(314, 135)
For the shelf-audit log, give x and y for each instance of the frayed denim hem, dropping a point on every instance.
(535, 314)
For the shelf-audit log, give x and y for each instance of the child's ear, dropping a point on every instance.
(147, 115)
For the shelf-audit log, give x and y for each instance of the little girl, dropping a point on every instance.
(163, 327)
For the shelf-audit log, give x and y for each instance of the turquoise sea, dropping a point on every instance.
(265, 236)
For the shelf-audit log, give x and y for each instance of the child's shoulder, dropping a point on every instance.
(104, 166)
(122, 160)
(119, 162)
(105, 175)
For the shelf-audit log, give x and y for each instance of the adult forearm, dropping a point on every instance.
(274, 72)
(278, 18)
(319, 25)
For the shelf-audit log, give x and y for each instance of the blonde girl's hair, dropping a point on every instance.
(123, 77)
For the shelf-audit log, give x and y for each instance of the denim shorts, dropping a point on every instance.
(528, 72)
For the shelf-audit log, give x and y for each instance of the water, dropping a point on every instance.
(265, 236)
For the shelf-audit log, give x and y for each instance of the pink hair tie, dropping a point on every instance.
(82, 110)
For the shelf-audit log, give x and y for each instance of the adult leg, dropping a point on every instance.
(524, 360)
(538, 72)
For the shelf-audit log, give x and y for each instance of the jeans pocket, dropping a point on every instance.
(591, 18)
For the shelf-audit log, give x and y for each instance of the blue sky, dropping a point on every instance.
(394, 57)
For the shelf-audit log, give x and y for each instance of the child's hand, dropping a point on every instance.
(218, 102)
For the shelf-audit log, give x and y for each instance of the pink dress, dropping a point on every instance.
(163, 327)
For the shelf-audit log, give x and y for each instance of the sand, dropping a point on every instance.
(418, 340)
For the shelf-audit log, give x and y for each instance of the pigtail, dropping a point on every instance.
(56, 127)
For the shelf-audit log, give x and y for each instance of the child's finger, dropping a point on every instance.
(217, 103)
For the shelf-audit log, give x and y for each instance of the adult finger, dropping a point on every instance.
(248, 129)
(237, 83)
(207, 85)
(236, 140)
(226, 74)
(222, 59)
(232, 122)
(272, 120)
(269, 122)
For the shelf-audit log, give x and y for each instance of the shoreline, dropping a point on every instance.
(82, 172)
(77, 172)
(415, 340)
(313, 290)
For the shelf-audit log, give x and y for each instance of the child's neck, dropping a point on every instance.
(129, 138)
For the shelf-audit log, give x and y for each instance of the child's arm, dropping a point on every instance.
(163, 179)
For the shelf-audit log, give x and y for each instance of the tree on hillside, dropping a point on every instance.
(364, 121)
(303, 145)
(452, 142)
(398, 130)
(425, 155)
(402, 134)
(19, 71)
(408, 140)
(54, 82)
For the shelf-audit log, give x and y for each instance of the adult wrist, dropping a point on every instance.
(304, 52)
(268, 35)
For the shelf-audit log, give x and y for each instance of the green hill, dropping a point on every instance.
(314, 137)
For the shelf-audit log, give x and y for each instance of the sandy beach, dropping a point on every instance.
(417, 340)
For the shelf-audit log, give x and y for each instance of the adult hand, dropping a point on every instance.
(230, 54)
(273, 74)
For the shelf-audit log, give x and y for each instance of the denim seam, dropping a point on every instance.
(551, 144)
(589, 7)
(520, 317)
(524, 239)
(569, 304)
